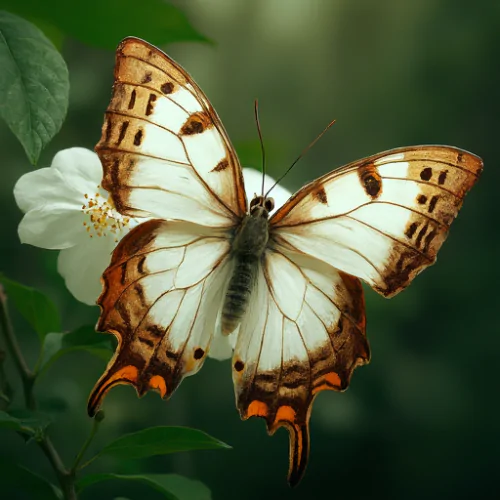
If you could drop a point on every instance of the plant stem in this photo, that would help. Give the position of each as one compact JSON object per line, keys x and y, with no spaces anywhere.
{"x":66,"y":478}
{"x":79,"y":457}
{"x":4,"y":384}
{"x":26,"y":374}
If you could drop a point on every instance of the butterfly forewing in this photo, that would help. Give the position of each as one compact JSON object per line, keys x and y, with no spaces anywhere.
{"x":161,"y":296}
{"x":382,"y":218}
{"x":164,"y":150}
{"x":304,"y":333}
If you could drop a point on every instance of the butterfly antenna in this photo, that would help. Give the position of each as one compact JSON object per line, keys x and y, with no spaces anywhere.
{"x":257,"y":121}
{"x":300,"y":156}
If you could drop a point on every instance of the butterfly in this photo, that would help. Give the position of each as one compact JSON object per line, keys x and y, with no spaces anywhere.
{"x":286,"y":285}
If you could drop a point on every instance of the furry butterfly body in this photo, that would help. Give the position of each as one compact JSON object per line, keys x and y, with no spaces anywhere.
{"x":285,"y":286}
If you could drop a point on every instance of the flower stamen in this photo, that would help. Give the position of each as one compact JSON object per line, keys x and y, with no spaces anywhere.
{"x":104,"y":218}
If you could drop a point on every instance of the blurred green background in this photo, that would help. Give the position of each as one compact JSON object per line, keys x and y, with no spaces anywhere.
{"x":421,"y":421}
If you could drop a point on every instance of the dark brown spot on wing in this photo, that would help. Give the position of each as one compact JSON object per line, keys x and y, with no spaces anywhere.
{"x":442,"y":177}
{"x":147,"y":77}
{"x":133,"y":96}
{"x":123,"y":131}
{"x":370,"y":180}
{"x":411,"y":230}
{"x":320,"y":195}
{"x":222,"y":165}
{"x":196,"y":124}
{"x":140,"y":265}
{"x":155,"y":331}
{"x":171,"y":354}
{"x":421,"y":234}
{"x":239,"y":365}
{"x":123,"y":277}
{"x":146,"y":341}
{"x":167,"y":88}
{"x":422,"y":199}
{"x":426,"y":174}
{"x":432,"y":203}
{"x":428,"y":239}
{"x":138,"y":138}
{"x":150,"y":105}
{"x":198,"y":353}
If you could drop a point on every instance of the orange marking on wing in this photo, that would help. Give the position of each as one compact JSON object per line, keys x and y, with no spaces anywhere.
{"x":330,"y":379}
{"x":299,"y":453}
{"x":126,"y":375}
{"x":157,"y":382}
{"x":333,"y":378}
{"x":128,"y":372}
{"x":285,"y":413}
{"x":257,"y":409}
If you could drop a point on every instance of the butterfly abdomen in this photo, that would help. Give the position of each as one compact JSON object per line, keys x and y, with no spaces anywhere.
{"x":239,"y":291}
{"x":247,"y":249}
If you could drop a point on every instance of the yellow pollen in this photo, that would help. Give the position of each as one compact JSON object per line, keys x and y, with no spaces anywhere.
{"x":103,"y":216}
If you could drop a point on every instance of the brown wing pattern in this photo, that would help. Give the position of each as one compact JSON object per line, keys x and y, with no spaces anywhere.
{"x":163,"y":148}
{"x":162,"y":292}
{"x":304,"y":333}
{"x":383,"y":218}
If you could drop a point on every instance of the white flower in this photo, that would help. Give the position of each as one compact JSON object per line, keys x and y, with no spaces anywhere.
{"x":66,"y":209}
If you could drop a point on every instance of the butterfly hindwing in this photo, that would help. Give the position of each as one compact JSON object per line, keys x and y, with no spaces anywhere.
{"x":161,"y":296}
{"x":304,"y":332}
{"x":163,"y":148}
{"x":383,"y":218}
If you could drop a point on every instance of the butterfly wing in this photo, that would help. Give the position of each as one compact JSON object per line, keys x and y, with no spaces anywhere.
{"x":304,"y":332}
{"x":383,"y":218}
{"x":163,"y":148}
{"x":162,"y":293}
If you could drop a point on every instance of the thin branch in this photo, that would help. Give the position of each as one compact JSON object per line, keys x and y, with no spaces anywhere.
{"x":95,"y":426}
{"x":26,"y":374}
{"x":66,"y":478}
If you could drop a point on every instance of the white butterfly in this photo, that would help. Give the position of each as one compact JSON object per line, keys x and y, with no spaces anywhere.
{"x":286,"y":285}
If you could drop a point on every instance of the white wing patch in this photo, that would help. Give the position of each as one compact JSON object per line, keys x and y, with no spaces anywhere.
{"x":162,"y":294}
{"x":382,"y":219}
{"x":164,"y":151}
{"x":304,"y":332}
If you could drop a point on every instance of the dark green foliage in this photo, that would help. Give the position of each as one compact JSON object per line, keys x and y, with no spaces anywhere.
{"x":34,"y":84}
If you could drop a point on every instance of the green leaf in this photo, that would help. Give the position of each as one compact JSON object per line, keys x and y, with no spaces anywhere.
{"x":154,"y":20}
{"x":17,"y":478}
{"x":33,"y":424}
{"x":34,"y":84}
{"x":161,"y":441}
{"x":84,"y":338}
{"x":172,"y":486}
{"x":40,"y":312}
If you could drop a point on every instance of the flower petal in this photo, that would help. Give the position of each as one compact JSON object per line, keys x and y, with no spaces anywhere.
{"x":43,"y":187}
{"x":253,"y":185}
{"x":73,"y":173}
{"x":53,"y":226}
{"x":82,"y":267}
{"x":79,"y":167}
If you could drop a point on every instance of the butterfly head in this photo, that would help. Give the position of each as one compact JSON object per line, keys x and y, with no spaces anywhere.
{"x":260,"y":206}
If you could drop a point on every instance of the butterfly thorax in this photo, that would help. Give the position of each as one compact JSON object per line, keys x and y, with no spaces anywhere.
{"x":248,"y":247}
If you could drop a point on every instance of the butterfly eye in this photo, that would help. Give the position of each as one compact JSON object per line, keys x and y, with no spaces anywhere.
{"x":269,"y":204}
{"x":256,"y":201}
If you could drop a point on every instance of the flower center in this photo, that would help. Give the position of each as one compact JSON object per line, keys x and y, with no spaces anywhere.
{"x":103,"y":219}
